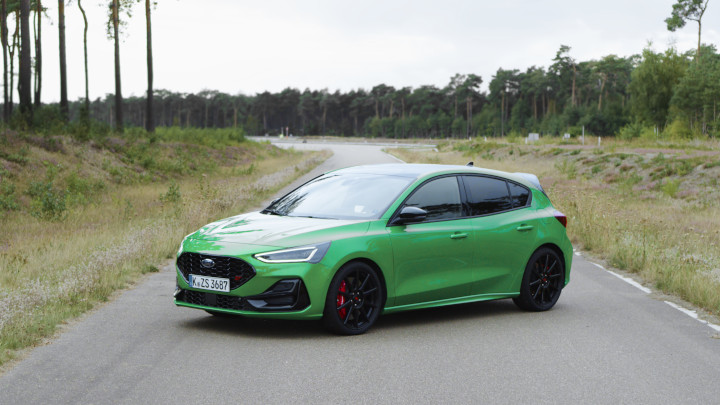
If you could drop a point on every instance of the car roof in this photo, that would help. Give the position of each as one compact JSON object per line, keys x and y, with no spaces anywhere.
{"x":416,"y":171}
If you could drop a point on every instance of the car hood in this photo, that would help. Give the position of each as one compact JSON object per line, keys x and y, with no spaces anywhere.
{"x":272,"y":230}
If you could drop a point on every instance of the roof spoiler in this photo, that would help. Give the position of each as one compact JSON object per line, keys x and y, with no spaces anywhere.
{"x":532,"y":179}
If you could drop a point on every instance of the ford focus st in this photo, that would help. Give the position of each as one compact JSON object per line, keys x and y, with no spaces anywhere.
{"x":357,"y":242}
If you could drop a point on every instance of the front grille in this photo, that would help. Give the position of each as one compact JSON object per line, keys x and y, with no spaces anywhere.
{"x":237,"y":271}
{"x":212,"y":300}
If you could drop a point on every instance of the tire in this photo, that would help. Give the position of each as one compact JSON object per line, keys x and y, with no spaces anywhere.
{"x":542,"y":282}
{"x":354,"y":300}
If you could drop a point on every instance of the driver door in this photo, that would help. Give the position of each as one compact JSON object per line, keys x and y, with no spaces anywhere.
{"x":433,"y":259}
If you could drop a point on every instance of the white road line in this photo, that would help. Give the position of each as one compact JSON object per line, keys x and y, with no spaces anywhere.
{"x":625,"y":279}
{"x":693,"y":315}
{"x":688,"y":312}
{"x":394,"y":157}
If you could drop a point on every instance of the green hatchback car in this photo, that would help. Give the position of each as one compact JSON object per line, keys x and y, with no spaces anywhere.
{"x":357,"y":242}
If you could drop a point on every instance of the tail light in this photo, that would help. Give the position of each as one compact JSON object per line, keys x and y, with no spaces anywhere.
{"x":560,"y":217}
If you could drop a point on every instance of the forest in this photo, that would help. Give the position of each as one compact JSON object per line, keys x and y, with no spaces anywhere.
{"x":669,"y":93}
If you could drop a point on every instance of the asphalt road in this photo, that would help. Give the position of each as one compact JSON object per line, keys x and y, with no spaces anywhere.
{"x":605,"y":341}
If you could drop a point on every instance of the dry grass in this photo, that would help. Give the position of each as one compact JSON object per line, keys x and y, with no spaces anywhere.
{"x":51,"y":271}
{"x":646,"y":208}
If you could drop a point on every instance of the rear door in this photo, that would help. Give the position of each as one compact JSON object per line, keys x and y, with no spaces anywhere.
{"x":505,"y":232}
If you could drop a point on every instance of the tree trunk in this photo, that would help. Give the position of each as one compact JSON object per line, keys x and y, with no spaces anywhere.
{"x":13,"y":49}
{"x":323,"y":118}
{"x":86,"y":113}
{"x":573,"y":87}
{"x":25,"y":72}
{"x":118,"y":87}
{"x":600,"y":97}
{"x":699,"y":32}
{"x":207,"y":105}
{"x":150,"y":123}
{"x":4,"y":40}
{"x":469,"y":115}
{"x":402,"y":100}
{"x":502,"y":114}
{"x":64,"y":109}
{"x":38,"y":53}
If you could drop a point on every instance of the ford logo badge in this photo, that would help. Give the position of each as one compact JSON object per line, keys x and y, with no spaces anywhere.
{"x":207,"y":263}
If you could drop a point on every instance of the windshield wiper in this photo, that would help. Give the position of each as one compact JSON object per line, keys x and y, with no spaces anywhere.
{"x":312,"y":216}
{"x":272,"y":212}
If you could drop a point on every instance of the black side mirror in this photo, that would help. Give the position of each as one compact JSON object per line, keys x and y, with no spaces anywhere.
{"x":409,"y":215}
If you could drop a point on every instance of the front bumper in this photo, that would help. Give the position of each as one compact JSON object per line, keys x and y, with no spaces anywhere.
{"x":284,"y":296}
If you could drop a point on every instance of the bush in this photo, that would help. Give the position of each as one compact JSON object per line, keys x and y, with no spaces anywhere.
{"x":7,"y":197}
{"x":679,"y":129}
{"x":172,"y":195}
{"x":630,"y":131}
{"x":48,"y":202}
{"x":567,"y":167}
{"x":81,"y":190}
{"x":48,"y":120}
{"x":211,"y":137}
{"x":671,"y":187}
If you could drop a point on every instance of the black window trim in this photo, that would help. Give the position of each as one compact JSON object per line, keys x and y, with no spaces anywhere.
{"x":507,"y":185}
{"x":464,"y":197}
{"x":461,"y":191}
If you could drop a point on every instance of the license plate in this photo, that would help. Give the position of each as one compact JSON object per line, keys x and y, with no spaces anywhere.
{"x":210,"y":283}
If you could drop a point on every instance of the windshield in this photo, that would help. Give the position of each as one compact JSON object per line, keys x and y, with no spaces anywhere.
{"x":341,"y":196}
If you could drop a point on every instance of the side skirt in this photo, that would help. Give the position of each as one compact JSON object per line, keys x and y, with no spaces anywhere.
{"x":451,"y":301}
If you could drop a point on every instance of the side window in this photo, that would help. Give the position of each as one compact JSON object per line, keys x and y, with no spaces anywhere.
{"x":440,"y":198}
{"x":486,"y":195}
{"x":519,"y":194}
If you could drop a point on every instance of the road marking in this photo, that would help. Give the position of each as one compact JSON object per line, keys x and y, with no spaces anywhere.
{"x":693,"y":314}
{"x":625,"y":279}
{"x":688,"y":312}
{"x":394,"y":157}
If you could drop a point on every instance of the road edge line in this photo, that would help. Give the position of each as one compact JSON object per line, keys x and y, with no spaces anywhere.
{"x":694,"y":315}
{"x":625,"y":279}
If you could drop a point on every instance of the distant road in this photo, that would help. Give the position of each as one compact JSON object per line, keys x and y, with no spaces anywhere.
{"x":606,"y":341}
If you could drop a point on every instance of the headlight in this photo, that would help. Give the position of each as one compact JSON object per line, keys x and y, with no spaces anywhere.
{"x":302,"y":254}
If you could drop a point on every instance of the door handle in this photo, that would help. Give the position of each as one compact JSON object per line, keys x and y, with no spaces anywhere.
{"x":458,"y":236}
{"x":524,"y":228}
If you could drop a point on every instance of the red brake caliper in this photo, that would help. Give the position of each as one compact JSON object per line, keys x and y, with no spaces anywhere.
{"x":341,"y":300}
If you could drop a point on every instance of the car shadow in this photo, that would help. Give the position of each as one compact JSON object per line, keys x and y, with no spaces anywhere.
{"x":447,"y":314}
{"x":254,"y":327}
{"x":290,"y":329}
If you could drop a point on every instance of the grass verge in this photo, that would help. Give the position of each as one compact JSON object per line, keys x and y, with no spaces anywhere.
{"x":109,"y":230}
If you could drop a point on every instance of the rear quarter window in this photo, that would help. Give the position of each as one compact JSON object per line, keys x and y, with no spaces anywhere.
{"x":519,"y":195}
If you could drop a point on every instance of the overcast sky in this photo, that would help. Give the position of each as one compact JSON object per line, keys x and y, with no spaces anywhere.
{"x":239,"y":46}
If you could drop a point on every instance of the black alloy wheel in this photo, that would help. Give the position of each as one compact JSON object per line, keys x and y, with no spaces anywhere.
{"x":542,"y":282}
{"x":354,"y":300}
